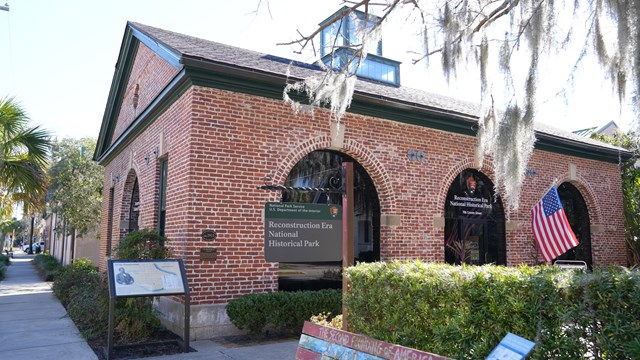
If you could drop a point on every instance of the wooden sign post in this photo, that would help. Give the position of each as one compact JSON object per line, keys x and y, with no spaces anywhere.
{"x":347,"y":233}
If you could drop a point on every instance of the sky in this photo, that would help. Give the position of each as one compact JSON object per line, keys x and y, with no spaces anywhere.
{"x":57,"y":58}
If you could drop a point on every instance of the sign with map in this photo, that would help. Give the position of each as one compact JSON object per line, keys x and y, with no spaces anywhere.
{"x":146,"y":277}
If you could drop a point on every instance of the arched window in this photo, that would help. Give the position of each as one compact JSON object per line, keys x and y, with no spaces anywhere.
{"x":578,"y":216}
{"x":474,"y":226}
{"x":323,"y":169}
{"x":134,"y":207}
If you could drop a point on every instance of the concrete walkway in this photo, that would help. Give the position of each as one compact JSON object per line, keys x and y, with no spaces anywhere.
{"x":34,"y":325}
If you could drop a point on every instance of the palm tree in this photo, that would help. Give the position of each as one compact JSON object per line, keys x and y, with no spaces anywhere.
{"x":23,"y":158}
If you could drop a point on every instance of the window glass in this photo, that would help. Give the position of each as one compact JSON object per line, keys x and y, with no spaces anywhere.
{"x":134,"y":209}
{"x":323,"y":169}
{"x":110,"y":221}
{"x":162,"y":198}
{"x":474,"y":222}
{"x":578,"y":216}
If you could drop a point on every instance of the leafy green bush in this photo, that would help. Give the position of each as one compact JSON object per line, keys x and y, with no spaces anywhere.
{"x":84,"y":292}
{"x":89,"y":306}
{"x":73,"y":279}
{"x":142,"y":244}
{"x":48,"y":266}
{"x":464,"y":311}
{"x":281,"y":311}
{"x":135,"y":319}
{"x":5,"y":260}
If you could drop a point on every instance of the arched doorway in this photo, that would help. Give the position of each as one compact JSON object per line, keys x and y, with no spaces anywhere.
{"x":474,"y":225}
{"x":323,"y":168}
{"x":578,"y":216}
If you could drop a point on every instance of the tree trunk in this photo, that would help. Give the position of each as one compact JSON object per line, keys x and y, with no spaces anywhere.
{"x":33,"y":218}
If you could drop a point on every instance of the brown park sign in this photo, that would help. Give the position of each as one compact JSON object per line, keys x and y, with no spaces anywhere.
{"x":298,"y":232}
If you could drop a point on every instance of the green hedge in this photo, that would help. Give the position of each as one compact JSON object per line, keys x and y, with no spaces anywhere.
{"x":48,"y":266}
{"x":84,"y":293}
{"x":282,"y":311}
{"x":5,"y":260}
{"x":464,"y":311}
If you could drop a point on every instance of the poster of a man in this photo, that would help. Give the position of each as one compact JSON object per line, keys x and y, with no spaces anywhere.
{"x":123,"y":277}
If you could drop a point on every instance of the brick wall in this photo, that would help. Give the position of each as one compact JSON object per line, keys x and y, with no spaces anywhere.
{"x":220,"y":145}
{"x":150,"y":73}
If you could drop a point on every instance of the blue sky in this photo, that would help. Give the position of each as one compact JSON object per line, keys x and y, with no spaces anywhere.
{"x":57,"y":58}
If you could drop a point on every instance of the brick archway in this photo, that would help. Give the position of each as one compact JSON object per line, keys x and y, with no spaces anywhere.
{"x":375,"y":170}
{"x":454,"y":171}
{"x":588,"y":194}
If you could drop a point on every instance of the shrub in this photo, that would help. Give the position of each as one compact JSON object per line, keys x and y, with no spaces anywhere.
{"x":464,"y":311}
{"x":135,"y":319}
{"x":89,"y":307}
{"x":4,"y":259}
{"x":3,"y":271}
{"x":48,"y":266}
{"x":84,"y":292}
{"x":72,"y":279}
{"x":142,"y":244}
{"x":281,"y":311}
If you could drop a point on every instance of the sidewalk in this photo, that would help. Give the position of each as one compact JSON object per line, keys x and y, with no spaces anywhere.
{"x":34,"y":325}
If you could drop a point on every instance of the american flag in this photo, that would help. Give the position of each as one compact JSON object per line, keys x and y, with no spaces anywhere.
{"x":551,"y":229}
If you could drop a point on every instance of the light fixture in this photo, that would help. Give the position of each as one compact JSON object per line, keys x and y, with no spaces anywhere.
{"x":530,"y":172}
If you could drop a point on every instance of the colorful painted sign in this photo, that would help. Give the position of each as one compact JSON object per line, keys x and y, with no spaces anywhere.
{"x":320,"y":342}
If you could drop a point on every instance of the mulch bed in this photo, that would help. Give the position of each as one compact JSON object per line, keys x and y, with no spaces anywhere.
{"x":162,"y":342}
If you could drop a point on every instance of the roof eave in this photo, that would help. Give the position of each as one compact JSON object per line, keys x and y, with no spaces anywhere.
{"x":126,"y":57}
{"x":209,"y":73}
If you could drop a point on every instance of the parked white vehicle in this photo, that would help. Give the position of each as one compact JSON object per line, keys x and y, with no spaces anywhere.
{"x":34,"y":247}
{"x":38,"y":245}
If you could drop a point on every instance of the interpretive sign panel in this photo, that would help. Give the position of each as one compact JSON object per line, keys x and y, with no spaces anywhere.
{"x":512,"y":347}
{"x":146,"y":277}
{"x":131,"y":278}
{"x":297,"y":232}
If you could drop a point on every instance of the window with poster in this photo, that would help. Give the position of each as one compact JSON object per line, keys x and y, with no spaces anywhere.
{"x":474,"y":226}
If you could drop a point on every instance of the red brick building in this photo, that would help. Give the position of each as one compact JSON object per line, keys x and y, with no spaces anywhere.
{"x":192,"y":128}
